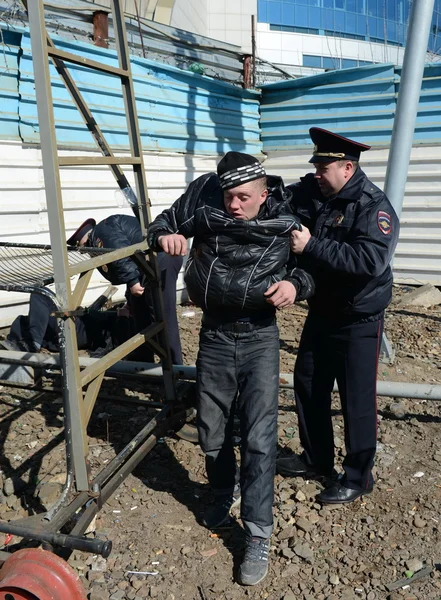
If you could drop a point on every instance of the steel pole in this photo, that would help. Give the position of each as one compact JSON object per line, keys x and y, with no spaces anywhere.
{"x":394,"y":389}
{"x":408,"y":100}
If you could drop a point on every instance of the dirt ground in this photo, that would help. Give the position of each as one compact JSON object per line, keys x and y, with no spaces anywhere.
{"x":317,"y":553}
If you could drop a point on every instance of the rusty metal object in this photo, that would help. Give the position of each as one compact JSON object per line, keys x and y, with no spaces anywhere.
{"x":247,"y":71}
{"x":101,"y":29}
{"x":35,"y":574}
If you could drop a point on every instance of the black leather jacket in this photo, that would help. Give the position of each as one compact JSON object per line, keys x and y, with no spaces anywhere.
{"x":354,"y":235}
{"x":117,"y":231}
{"x":232,"y":261}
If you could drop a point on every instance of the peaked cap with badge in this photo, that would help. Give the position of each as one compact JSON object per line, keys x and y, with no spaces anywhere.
{"x":84,"y":228}
{"x":329,"y":147}
{"x":237,"y":168}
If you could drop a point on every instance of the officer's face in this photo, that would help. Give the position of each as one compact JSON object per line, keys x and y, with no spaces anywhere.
{"x":331,"y":177}
{"x":244,"y":201}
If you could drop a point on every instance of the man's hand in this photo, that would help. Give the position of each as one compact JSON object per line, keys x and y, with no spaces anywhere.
{"x":281,"y":294}
{"x":174,"y":244}
{"x":299,"y":239}
{"x":137,"y":289}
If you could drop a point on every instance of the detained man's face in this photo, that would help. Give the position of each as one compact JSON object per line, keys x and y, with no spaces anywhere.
{"x":332,"y":177}
{"x":244,"y":201}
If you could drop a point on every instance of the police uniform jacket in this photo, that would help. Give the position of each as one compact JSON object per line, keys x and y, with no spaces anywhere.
{"x":118,"y":231}
{"x":232,"y":261}
{"x":354,"y":235}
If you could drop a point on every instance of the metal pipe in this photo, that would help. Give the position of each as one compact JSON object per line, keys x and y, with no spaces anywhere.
{"x":253,"y":51}
{"x":408,"y":100}
{"x":59,"y":539}
{"x":395,"y":389}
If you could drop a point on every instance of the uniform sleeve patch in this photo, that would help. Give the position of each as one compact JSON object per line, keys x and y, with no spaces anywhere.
{"x":384,"y":222}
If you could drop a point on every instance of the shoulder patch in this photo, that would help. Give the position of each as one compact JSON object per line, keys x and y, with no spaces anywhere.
{"x":384,"y":222}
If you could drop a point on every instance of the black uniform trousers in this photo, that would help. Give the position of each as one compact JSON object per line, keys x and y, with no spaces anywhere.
{"x":141,"y":308}
{"x":40,"y":329}
{"x":346,"y":350}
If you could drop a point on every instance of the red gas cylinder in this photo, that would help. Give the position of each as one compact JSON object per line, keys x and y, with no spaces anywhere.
{"x":35,"y":574}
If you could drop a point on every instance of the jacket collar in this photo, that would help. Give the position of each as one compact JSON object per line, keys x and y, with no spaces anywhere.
{"x":354,"y":187}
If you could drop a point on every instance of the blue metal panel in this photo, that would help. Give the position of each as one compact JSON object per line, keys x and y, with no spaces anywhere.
{"x":178,"y":111}
{"x":9,"y":87}
{"x":358,"y":103}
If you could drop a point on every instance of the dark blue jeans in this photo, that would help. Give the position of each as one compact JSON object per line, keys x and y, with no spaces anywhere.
{"x":239,"y":372}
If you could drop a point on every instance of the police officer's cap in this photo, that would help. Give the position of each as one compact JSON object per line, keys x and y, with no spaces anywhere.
{"x":81,"y":232}
{"x":329,"y":147}
{"x":236,"y":168}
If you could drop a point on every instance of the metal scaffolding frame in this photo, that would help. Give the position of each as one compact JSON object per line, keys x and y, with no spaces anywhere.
{"x":81,"y":386}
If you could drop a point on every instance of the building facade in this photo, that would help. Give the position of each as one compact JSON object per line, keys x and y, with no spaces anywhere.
{"x":335,"y":34}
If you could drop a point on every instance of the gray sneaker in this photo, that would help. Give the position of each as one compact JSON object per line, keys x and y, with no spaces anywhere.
{"x":218,"y":515}
{"x":254,"y":566}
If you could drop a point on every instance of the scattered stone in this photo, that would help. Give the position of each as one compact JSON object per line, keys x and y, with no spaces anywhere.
{"x":419,"y":522}
{"x":414,"y":565}
{"x":304,"y":551}
{"x":398,"y":409}
{"x":425,"y":296}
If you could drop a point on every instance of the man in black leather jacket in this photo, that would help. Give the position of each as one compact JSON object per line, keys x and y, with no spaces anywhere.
{"x":236,"y":273}
{"x":349,"y":234}
{"x":120,"y":231}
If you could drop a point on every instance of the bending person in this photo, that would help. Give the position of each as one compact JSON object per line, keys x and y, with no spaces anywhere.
{"x":120,"y":231}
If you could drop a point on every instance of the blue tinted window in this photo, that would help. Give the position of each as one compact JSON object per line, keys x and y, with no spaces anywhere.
{"x":331,"y":63}
{"x":351,"y":5}
{"x":314,"y":2}
{"x":351,"y":23}
{"x":301,"y":16}
{"x":339,"y":20}
{"x":361,"y":25}
{"x":261,"y":11}
{"x":312,"y":61}
{"x":339,"y":4}
{"x":372,"y":7}
{"x":288,"y":14}
{"x":348,"y":63}
{"x":392,"y":31}
{"x":391,"y":11}
{"x":327,"y":18}
{"x":372,"y":27}
{"x":314,"y":17}
{"x":328,"y":3}
{"x":274,"y":12}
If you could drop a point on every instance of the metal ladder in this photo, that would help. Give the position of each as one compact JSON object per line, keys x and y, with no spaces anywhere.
{"x":78,"y":404}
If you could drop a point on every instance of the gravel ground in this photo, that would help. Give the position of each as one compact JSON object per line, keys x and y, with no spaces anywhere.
{"x":317,"y":553}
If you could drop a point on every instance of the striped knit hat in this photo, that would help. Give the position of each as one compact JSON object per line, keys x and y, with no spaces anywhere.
{"x":236,"y":168}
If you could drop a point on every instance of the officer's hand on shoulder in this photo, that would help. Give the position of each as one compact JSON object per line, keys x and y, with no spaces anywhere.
{"x":281,"y":294}
{"x":299,"y":239}
{"x":137,"y":289}
{"x":174,"y":244}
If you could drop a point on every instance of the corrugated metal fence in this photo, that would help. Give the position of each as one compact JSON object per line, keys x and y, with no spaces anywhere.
{"x":187,"y":121}
{"x":360,"y":103}
{"x":72,"y":20}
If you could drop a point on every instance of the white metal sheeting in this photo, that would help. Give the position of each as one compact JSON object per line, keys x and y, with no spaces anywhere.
{"x":90,"y":192}
{"x":418,"y":256}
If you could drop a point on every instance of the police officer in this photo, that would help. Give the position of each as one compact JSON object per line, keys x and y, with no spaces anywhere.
{"x":120,"y":231}
{"x":347,"y":241}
